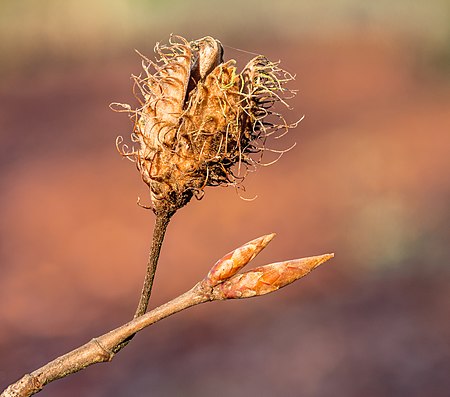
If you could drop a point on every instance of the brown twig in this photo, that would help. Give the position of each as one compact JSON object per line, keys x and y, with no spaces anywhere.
{"x":100,"y":349}
{"x":222,"y":282}
{"x":159,"y":231}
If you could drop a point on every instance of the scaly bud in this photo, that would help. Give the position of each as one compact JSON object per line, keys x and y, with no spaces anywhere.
{"x":269,"y":278}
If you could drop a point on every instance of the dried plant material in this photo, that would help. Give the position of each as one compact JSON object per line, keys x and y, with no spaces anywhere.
{"x":269,"y":278}
{"x":235,"y":260}
{"x":201,"y":122}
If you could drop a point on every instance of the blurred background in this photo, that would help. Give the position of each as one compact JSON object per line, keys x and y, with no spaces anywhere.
{"x":368,"y":180}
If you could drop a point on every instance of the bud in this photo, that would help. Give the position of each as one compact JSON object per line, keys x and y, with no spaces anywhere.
{"x":269,"y":278}
{"x":199,"y":118}
{"x":235,"y":260}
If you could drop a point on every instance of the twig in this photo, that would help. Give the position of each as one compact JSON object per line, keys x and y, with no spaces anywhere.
{"x":100,"y":349}
{"x":222,"y":282}
{"x":159,"y":231}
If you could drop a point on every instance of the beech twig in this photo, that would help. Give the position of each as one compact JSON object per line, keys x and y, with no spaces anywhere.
{"x":221,"y":283}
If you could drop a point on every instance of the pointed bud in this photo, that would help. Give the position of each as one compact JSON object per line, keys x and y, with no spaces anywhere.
{"x":265,"y":279}
{"x":234,"y":261}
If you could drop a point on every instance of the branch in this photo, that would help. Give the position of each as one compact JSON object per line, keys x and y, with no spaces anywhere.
{"x":100,"y":349}
{"x":222,"y":282}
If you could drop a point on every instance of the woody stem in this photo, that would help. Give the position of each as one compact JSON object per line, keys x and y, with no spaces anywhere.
{"x":159,"y":231}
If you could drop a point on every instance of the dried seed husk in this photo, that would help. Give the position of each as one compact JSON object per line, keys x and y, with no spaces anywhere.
{"x":200,"y":119}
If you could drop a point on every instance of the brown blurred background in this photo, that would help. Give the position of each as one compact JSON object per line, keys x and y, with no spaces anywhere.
{"x":368,"y":180}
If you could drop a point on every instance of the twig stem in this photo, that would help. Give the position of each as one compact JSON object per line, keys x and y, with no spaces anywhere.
{"x":102,"y":348}
{"x":159,"y":231}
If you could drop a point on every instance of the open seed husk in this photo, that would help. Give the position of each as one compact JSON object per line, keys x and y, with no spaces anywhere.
{"x":201,"y":122}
